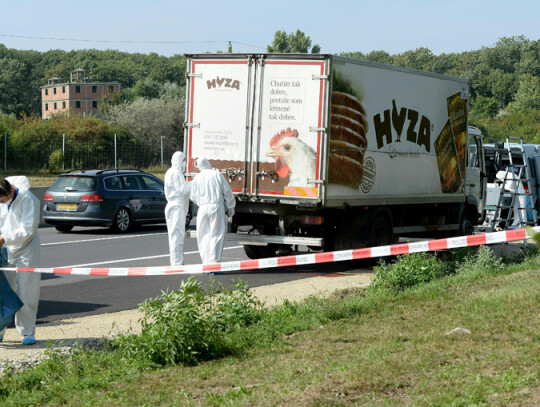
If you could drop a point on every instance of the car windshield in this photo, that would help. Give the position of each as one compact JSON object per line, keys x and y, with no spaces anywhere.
{"x":66,"y":183}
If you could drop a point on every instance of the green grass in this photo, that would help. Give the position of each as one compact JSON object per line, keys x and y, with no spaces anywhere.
{"x":375,"y":347}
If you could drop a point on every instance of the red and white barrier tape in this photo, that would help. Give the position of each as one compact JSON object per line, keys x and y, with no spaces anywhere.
{"x":288,"y":261}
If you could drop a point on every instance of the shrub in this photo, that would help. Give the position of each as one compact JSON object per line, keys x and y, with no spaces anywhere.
{"x":191,"y":324}
{"x":409,"y":270}
{"x":56,"y":159}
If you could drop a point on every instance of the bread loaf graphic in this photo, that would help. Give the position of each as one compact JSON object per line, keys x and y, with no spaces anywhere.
{"x":348,"y":140}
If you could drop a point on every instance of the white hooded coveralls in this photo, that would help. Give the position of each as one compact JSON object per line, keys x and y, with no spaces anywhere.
{"x":19,"y":223}
{"x":210,"y":190}
{"x":177,"y":194}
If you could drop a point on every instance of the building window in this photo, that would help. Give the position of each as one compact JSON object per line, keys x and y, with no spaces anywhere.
{"x":111,"y":89}
{"x":46,"y":106}
{"x":78,"y":104}
{"x":77,"y":89}
{"x":94,"y":104}
{"x":63,"y":89}
{"x":54,"y":105}
{"x":54,"y":91}
{"x":46,"y":92}
{"x":63,"y":105}
{"x":94,"y":89}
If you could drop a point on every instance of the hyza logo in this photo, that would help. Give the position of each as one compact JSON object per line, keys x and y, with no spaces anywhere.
{"x":418,"y":130}
{"x":222,"y":83}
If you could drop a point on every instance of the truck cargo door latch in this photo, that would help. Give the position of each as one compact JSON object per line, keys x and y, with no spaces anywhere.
{"x":315,"y":77}
{"x":270,"y":174}
{"x":233,"y":173}
{"x":318,"y":129}
{"x":193,"y":75}
{"x":188,"y":125}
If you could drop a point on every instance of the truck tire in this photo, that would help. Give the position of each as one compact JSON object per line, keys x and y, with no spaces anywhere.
{"x":466,"y":224}
{"x":63,"y":228}
{"x":381,"y":232}
{"x":189,"y":216}
{"x":260,"y":252}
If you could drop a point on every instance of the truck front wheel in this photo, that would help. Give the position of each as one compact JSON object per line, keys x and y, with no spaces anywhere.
{"x":466,"y":224}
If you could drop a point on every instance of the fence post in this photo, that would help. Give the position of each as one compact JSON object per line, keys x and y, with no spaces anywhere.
{"x":161,"y":151}
{"x":5,"y":151}
{"x":115,"y":162}
{"x":63,"y":151}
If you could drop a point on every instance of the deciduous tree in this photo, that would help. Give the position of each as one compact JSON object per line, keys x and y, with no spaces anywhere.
{"x":296,"y":42}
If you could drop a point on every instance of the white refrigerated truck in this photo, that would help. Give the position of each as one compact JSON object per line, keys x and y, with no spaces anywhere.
{"x":334,"y":153}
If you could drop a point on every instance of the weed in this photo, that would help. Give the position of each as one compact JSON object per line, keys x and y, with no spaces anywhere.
{"x":483,"y":261}
{"x":408,"y":271}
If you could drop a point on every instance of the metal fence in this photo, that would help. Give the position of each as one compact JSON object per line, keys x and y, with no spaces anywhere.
{"x":62,"y":154}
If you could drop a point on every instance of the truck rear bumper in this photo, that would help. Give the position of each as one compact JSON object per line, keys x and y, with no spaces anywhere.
{"x":263,"y":240}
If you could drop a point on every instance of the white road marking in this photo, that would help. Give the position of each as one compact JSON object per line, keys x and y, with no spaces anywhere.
{"x":137,"y":258}
{"x":101,"y":239}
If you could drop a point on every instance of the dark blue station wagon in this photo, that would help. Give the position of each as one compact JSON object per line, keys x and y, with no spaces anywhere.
{"x":112,"y":198}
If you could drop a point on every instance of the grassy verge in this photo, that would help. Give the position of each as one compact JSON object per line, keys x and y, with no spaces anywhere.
{"x":389,"y":345}
{"x":46,"y":178}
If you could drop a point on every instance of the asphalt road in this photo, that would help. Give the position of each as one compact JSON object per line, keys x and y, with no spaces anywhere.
{"x":74,"y":296}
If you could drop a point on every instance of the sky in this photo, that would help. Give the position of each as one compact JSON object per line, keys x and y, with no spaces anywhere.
{"x":169,"y":27}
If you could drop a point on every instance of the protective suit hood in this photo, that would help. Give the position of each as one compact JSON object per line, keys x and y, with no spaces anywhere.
{"x":177,"y":160}
{"x":203,"y":164}
{"x":502,"y":174}
{"x":20,"y":181}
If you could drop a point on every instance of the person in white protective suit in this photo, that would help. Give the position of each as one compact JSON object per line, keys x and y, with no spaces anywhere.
{"x":211,"y":192}
{"x":177,"y":194}
{"x":514,"y":185}
{"x":19,"y":222}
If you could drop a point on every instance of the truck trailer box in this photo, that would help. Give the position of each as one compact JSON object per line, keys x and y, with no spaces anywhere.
{"x":326,"y":136}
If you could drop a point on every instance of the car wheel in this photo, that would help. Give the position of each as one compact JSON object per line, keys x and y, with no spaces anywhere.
{"x":122,"y":220}
{"x":63,"y":228}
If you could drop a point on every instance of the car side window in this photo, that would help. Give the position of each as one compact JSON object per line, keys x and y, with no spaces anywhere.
{"x":131,"y":182}
{"x":151,"y":183}
{"x":113,"y":184}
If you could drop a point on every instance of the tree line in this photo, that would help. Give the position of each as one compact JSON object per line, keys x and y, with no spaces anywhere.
{"x":505,"y":87}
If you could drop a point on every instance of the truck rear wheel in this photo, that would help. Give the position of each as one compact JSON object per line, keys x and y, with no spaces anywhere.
{"x":380,"y":233}
{"x":260,"y":252}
